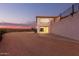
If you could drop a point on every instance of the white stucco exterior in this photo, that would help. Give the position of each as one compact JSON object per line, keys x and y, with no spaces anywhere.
{"x":67,"y":27}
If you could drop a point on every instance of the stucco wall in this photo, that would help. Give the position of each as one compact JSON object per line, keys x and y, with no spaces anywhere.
{"x":68,"y":27}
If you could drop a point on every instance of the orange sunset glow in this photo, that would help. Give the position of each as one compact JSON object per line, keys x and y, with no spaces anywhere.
{"x":15,"y":27}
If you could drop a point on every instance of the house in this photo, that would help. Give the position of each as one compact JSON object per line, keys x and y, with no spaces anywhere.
{"x":44,"y":23}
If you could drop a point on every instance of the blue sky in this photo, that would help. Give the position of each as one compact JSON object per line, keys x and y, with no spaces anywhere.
{"x":26,"y":12}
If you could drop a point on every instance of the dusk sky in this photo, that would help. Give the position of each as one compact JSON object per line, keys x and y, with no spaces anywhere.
{"x":27,"y":12}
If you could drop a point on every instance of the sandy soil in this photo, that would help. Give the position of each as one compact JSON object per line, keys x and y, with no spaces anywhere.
{"x":32,"y":44}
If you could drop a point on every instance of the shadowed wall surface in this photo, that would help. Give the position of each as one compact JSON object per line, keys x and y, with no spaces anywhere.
{"x":67,"y":27}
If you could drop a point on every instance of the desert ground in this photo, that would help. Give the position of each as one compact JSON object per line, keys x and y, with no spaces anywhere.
{"x":33,"y":44}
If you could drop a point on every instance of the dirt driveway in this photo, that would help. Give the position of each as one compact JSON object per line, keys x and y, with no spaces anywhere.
{"x":32,"y":44}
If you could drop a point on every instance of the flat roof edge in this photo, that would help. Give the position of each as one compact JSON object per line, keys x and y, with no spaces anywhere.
{"x":47,"y":16}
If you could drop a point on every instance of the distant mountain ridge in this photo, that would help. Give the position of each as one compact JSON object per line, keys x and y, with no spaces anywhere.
{"x":13,"y":24}
{"x":17,"y":25}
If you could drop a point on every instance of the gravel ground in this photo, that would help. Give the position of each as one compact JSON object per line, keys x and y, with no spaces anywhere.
{"x":32,"y":44}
